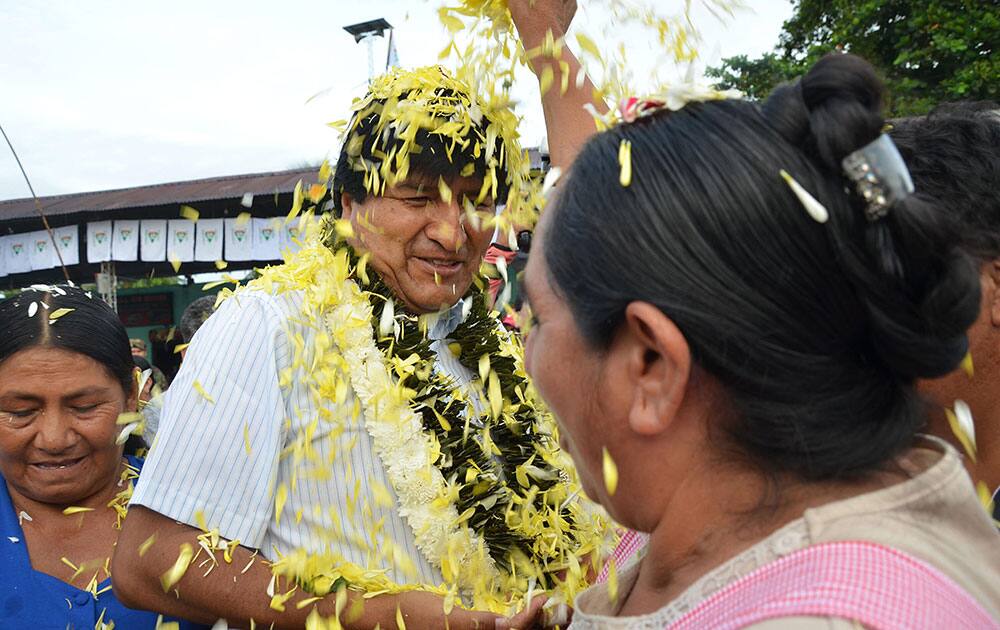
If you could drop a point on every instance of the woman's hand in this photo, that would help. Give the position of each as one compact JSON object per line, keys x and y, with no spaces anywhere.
{"x":534,"y":18}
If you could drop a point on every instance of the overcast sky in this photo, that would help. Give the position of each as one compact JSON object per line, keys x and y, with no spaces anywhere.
{"x":116,"y":93}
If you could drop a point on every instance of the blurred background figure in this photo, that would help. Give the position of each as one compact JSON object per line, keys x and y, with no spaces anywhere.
{"x":194,"y":316}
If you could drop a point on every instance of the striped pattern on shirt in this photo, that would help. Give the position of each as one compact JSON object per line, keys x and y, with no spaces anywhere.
{"x":199,"y":462}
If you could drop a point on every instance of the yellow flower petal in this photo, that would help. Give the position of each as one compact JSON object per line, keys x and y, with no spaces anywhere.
{"x":610,"y":473}
{"x":189,"y":213}
{"x":201,"y":391}
{"x":174,"y":574}
{"x":625,"y":161}
{"x":76,"y":510}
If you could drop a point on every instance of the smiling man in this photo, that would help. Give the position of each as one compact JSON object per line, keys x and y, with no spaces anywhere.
{"x":356,"y":417}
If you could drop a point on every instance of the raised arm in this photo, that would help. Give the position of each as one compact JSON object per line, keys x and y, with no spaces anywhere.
{"x":567,"y":123}
{"x":237,"y":590}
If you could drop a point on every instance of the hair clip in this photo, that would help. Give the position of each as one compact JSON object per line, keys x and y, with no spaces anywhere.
{"x":879,"y":174}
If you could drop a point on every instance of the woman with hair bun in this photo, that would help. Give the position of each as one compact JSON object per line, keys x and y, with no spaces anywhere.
{"x":66,"y":376}
{"x":729,"y":339}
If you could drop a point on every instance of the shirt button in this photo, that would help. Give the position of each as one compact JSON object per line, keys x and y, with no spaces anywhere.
{"x":82,"y":599}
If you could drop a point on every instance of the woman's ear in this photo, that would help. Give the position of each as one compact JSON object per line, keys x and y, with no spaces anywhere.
{"x":659,"y":365}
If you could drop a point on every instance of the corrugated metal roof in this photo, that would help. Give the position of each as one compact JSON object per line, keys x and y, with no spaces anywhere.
{"x":228,"y":187}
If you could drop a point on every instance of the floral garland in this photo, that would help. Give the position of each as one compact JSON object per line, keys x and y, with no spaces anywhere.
{"x":484,"y":493}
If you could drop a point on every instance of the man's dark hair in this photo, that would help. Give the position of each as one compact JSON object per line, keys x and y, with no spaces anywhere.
{"x":954,"y":156}
{"x":372,"y":139}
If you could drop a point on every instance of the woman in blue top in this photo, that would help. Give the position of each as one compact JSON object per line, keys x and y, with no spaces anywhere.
{"x":66,"y":375}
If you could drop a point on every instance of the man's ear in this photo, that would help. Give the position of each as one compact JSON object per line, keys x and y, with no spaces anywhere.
{"x":347,"y":205}
{"x":659,"y":364}
{"x":132,"y":395}
{"x":995,"y":301}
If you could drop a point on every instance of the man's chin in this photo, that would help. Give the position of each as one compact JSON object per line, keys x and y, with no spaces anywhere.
{"x":439,"y":299}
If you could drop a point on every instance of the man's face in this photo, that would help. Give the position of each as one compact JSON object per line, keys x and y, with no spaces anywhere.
{"x":425,"y":248}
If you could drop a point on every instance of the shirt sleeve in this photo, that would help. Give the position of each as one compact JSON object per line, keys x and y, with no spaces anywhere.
{"x":215,"y":455}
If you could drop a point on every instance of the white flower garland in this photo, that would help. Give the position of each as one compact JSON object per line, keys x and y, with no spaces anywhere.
{"x":408,"y":453}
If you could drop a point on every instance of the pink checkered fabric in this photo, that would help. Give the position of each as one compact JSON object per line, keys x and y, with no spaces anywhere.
{"x":876,"y":586}
{"x":629,"y":543}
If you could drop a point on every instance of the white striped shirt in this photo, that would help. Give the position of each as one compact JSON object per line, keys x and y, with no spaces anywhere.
{"x":199,"y":462}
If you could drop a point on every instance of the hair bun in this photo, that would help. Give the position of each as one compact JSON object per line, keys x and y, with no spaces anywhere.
{"x":835,"y":109}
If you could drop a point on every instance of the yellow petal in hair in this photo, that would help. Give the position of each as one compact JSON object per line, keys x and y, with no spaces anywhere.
{"x":815,"y":209}
{"x":59,"y":312}
{"x":963,"y":426}
{"x":610,"y":473}
{"x":625,"y":161}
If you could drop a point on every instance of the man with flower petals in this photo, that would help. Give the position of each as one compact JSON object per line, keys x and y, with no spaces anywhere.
{"x":314,"y":448}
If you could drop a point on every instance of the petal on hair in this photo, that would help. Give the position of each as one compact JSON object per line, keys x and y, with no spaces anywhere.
{"x":815,"y":209}
{"x":625,"y":161}
{"x":32,"y":309}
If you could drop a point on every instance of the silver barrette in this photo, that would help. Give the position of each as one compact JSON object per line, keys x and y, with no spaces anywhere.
{"x":879,"y":174}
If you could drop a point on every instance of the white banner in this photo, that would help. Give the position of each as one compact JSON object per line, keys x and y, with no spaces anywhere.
{"x":208,"y":241}
{"x":68,"y":240}
{"x":239,"y":239}
{"x":290,"y":232}
{"x":154,"y":240}
{"x":125,"y":241}
{"x":267,"y":238}
{"x":99,"y":241}
{"x":42,"y":254}
{"x":16,"y":253}
{"x":180,"y":240}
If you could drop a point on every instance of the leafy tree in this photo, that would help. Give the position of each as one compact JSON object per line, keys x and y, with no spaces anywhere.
{"x":754,"y":77}
{"x":929,"y":51}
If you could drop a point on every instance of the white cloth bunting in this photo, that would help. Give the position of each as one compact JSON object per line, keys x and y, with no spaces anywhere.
{"x":41,"y":253}
{"x":267,"y":238}
{"x":154,"y":240}
{"x":208,"y":242}
{"x":68,"y":241}
{"x":180,"y":240}
{"x":99,"y":241}
{"x":125,"y":243}
{"x":239,"y":239}
{"x":16,"y":253}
